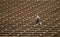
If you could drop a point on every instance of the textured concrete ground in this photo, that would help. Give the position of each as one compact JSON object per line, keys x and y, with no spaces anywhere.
{"x":17,"y":18}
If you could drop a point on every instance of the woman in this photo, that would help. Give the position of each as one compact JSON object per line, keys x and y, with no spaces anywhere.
{"x":38,"y":21}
